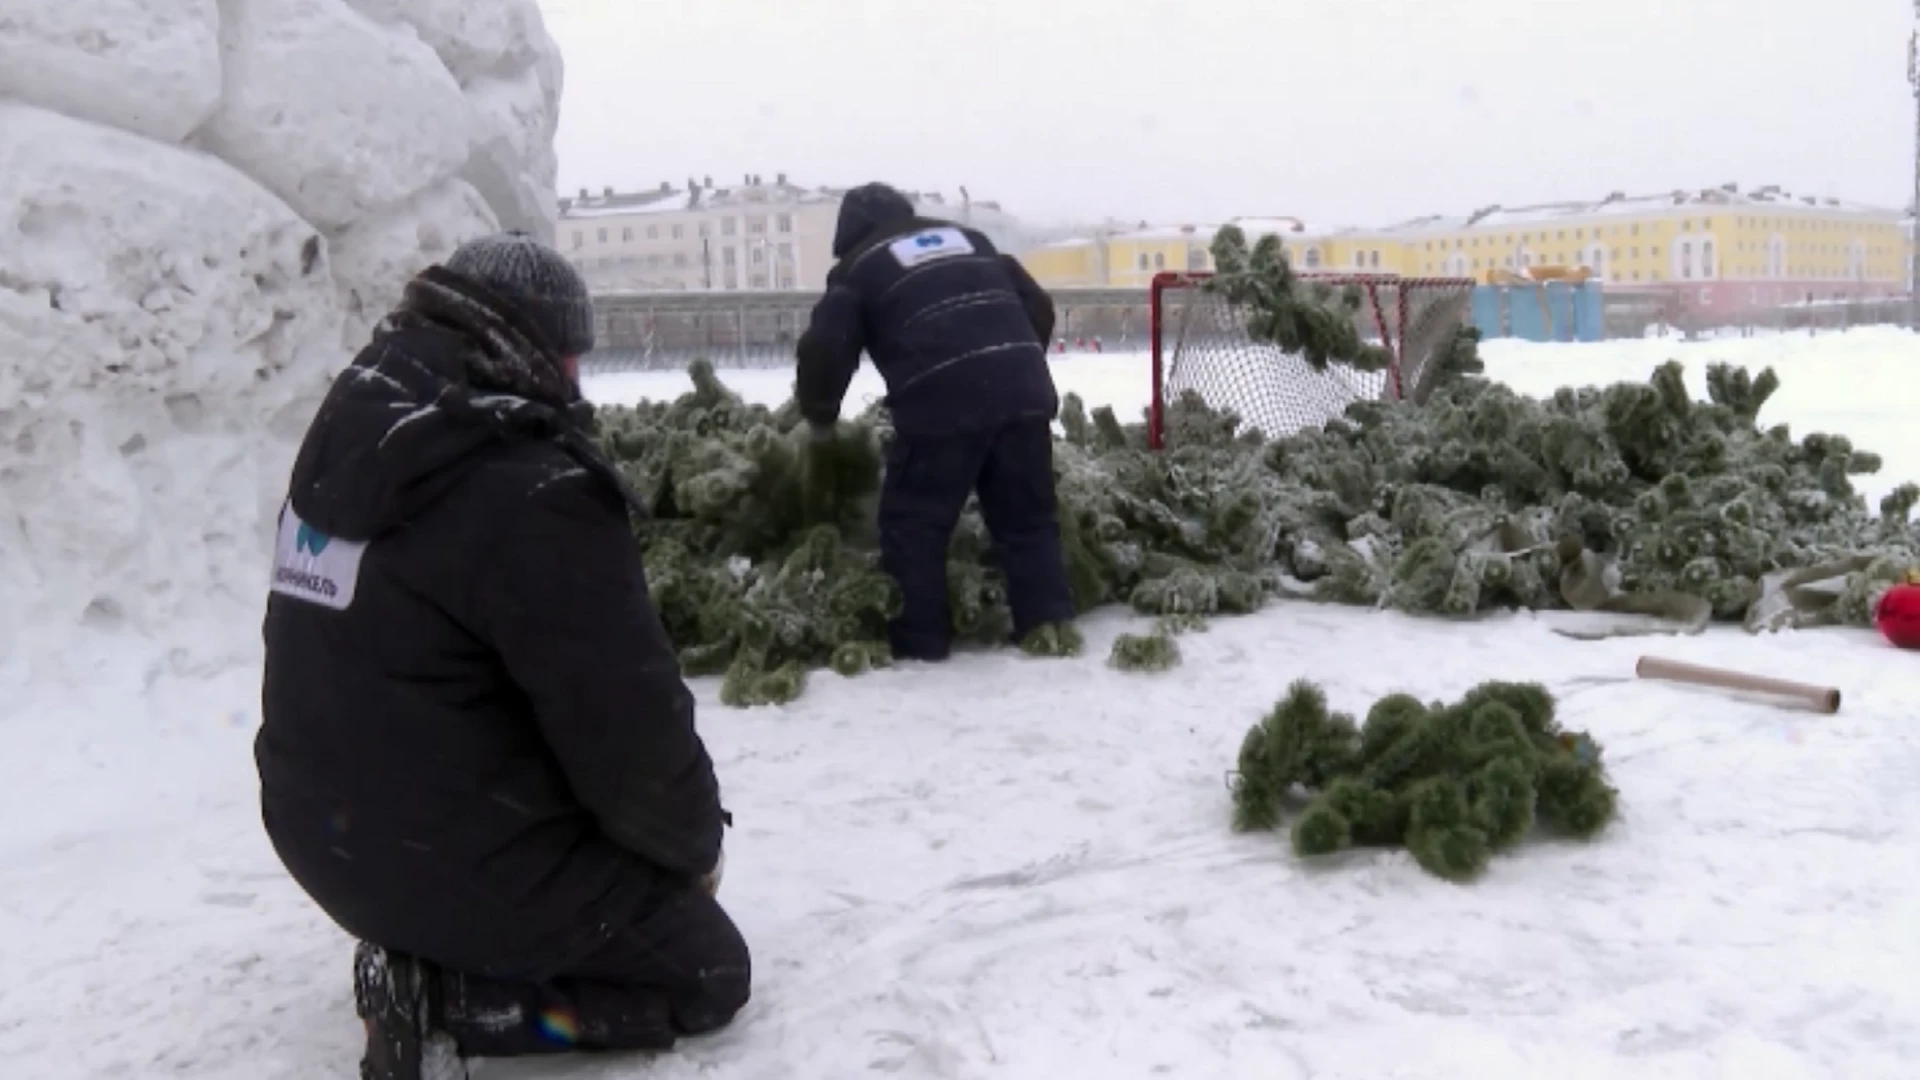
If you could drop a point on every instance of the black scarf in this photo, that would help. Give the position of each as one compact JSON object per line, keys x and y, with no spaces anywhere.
{"x":506,"y":353}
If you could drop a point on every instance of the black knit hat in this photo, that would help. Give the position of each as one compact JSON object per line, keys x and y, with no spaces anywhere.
{"x":538,"y":281}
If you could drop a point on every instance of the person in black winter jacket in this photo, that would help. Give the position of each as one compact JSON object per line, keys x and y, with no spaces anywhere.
{"x":478,"y":755}
{"x":958,"y":332}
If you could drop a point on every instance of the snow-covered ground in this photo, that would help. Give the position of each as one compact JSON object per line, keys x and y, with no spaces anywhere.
{"x":1007,"y":867}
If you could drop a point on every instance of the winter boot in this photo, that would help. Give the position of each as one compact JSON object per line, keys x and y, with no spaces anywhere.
{"x":397,"y":998}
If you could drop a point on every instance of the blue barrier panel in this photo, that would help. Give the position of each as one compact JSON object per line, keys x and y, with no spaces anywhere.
{"x":1488,"y":311}
{"x":1548,"y":311}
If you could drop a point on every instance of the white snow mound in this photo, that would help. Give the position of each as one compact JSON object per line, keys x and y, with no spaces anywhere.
{"x":203,"y":210}
{"x":152,"y":69}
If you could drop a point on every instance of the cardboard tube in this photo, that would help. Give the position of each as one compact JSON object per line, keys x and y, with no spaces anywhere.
{"x":1824,"y":699}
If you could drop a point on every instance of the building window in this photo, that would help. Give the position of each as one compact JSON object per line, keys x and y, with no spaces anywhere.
{"x":679,"y":231}
{"x":729,"y":256}
{"x":626,"y":235}
{"x":653,"y":232}
{"x":1143,"y":260}
{"x":1159,"y":260}
{"x":1313,"y":258}
{"x":783,"y":223}
{"x":1196,"y":258}
{"x":786,"y":253}
{"x":728,"y":225}
{"x":757,"y":225}
{"x":680,"y":259}
{"x":731,"y":281}
{"x":786,"y":279}
{"x":706,"y":229}
{"x":759,"y":256}
{"x":601,"y":235}
{"x":759,"y":281}
{"x":579,"y":239}
{"x":1373,"y":259}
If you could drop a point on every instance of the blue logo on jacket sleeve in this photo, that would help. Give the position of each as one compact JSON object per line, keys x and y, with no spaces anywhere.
{"x":310,"y":540}
{"x":309,"y":565}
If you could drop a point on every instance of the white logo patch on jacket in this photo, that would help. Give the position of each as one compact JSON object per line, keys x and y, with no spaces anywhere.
{"x":312,"y":566}
{"x":927,"y":245}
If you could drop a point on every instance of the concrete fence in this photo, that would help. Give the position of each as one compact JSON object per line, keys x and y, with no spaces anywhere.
{"x":664,"y":331}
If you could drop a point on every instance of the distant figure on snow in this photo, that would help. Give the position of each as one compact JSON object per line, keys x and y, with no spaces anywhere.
{"x":478,"y":755}
{"x":959,"y":333}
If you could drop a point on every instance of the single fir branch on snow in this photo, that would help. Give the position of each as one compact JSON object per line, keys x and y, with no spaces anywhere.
{"x":1453,"y":784}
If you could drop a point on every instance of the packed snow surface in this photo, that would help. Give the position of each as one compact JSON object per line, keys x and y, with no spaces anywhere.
{"x":1009,"y":867}
{"x":203,"y":208}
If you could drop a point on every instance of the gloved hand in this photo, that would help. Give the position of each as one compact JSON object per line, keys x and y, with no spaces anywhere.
{"x":711,"y":880}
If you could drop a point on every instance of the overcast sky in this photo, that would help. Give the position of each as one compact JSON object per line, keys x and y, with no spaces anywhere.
{"x":1337,"y":111}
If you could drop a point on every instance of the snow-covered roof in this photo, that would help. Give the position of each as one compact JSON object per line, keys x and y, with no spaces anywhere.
{"x":1167,"y":232}
{"x":621,"y":205}
{"x":1261,"y":226}
{"x":699,"y":195}
{"x":1771,"y":199}
{"x":1428,"y":223}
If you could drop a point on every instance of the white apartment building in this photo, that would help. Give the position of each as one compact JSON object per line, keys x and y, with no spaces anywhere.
{"x":757,"y":235}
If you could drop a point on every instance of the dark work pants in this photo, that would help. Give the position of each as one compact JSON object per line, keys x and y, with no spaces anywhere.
{"x":926,"y":485}
{"x":682,"y":969}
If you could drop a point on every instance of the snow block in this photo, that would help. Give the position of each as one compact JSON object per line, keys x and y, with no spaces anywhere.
{"x":150,"y":68}
{"x":374,"y":257}
{"x":338,"y":115}
{"x":473,"y":40}
{"x":170,"y":314}
{"x":156,"y":307}
{"x":503,"y":57}
{"x":513,"y":164}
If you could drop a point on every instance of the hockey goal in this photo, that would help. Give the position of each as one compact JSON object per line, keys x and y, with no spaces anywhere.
{"x":1199,"y":343}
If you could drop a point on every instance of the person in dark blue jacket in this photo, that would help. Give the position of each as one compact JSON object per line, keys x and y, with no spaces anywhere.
{"x":958,"y":331}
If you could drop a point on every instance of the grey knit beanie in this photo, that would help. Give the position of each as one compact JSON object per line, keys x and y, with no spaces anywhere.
{"x":542,"y":286}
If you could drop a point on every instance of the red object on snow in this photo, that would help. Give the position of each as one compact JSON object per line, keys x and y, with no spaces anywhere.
{"x":1898,"y":614}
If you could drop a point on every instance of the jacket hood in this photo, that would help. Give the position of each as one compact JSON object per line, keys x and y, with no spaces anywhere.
{"x":865,"y":211}
{"x":401,"y":426}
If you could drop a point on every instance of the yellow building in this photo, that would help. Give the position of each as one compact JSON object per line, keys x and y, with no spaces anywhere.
{"x":1781,"y":246}
{"x":1130,"y":258}
{"x":1720,"y":234}
{"x":1068,"y":264}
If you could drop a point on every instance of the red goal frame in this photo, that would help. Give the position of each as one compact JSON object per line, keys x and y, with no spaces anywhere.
{"x":1390,"y":319}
